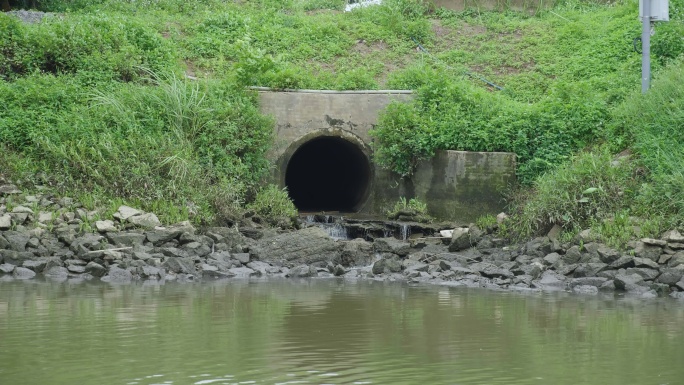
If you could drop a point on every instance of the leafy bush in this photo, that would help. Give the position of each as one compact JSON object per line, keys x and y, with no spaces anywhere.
{"x":413,"y":210}
{"x":273,"y":202}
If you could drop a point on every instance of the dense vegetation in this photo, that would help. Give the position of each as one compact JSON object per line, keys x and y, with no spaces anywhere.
{"x":97,"y":99}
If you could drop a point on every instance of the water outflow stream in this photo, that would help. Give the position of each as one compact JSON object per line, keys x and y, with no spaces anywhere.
{"x":341,"y":229}
{"x":332,"y":331}
{"x":332,"y":225}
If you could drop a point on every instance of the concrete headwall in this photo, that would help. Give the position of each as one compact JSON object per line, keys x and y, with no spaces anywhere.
{"x":456,"y":185}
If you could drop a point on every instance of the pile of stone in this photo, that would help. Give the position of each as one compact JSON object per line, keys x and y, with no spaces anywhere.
{"x":60,"y":240}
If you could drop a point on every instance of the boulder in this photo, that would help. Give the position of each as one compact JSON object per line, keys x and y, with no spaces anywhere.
{"x":623,"y":262}
{"x":356,"y":252}
{"x":460,"y":239}
{"x":23,"y":273}
{"x":117,"y":275}
{"x":17,"y":240}
{"x":179,"y":265}
{"x":6,"y":268}
{"x":5,"y":222}
{"x":673,"y":236}
{"x":147,"y":220}
{"x":305,"y":246}
{"x":161,"y":236}
{"x":588,"y":281}
{"x":36,"y":265}
{"x":105,"y":226}
{"x":628,"y":282}
{"x":243,"y":272}
{"x":95,"y":269}
{"x":645,"y":262}
{"x":670,"y":276}
{"x":263,"y":268}
{"x":550,"y":280}
{"x":125,"y":212}
{"x":123,"y":239}
{"x":242,"y":257}
{"x":302,"y":271}
{"x":572,"y":255}
{"x":585,"y":289}
{"x":607,"y":255}
{"x":648,"y":251}
{"x":646,"y":273}
{"x":391,"y":245}
{"x":589,"y":269}
{"x":58,"y":273}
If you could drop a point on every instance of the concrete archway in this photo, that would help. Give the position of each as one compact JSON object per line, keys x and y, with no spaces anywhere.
{"x":328,"y":170}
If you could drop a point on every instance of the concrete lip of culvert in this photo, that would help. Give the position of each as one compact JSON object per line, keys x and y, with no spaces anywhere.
{"x":328,"y":170}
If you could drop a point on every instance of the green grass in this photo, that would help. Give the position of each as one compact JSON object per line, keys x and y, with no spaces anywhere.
{"x":96,"y":98}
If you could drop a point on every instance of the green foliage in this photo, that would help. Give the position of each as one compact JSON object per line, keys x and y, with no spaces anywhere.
{"x":590,"y":188}
{"x":454,"y":115}
{"x":487,"y":221}
{"x":273,"y":202}
{"x":412,"y":210}
{"x":652,"y":125}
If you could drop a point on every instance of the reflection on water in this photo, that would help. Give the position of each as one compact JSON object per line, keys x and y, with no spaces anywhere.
{"x":330,"y":332}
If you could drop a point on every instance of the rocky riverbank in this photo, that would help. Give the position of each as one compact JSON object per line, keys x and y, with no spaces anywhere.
{"x":59,"y":240}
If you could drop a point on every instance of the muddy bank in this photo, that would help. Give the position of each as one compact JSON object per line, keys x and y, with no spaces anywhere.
{"x":47,"y":237}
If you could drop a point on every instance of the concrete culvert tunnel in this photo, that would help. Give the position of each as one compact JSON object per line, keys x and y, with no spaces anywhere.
{"x":328,"y":174}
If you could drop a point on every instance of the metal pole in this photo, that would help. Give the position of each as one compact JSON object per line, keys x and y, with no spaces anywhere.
{"x":646,"y":47}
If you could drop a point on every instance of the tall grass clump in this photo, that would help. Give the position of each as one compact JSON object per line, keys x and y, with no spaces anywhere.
{"x":652,"y":125}
{"x":590,"y":188}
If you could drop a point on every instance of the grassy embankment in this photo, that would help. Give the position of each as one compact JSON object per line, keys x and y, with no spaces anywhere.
{"x":96,"y":103}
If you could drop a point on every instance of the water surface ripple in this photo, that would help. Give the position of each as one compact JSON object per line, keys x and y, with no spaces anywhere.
{"x":330,"y":332}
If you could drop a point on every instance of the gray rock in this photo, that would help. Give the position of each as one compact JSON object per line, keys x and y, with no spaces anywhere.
{"x":533,"y":270}
{"x":179,"y":265}
{"x":215,"y":274}
{"x":304,"y":246}
{"x":623,"y":262}
{"x":263,"y":267}
{"x":673,"y":236}
{"x":17,"y":240}
{"x":460,"y":239}
{"x":677,"y":259}
{"x":5,"y":222}
{"x":609,"y":285}
{"x":147,"y":220}
{"x":117,"y":275}
{"x":15,"y":257}
{"x":56,"y":273}
{"x":490,"y":271}
{"x":391,"y":245}
{"x":105,"y":226}
{"x":654,"y":242}
{"x":588,"y":281}
{"x":628,"y":281}
{"x":36,"y":265}
{"x":173,"y":252}
{"x":123,"y":239}
{"x":243,"y":272}
{"x":9,"y":189}
{"x":585,"y":289}
{"x":302,"y":271}
{"x":646,"y":273}
{"x":152,"y":272}
{"x":242,"y":257}
{"x":552,"y":258}
{"x":572,"y":255}
{"x":23,"y":273}
{"x":566,"y":269}
{"x":645,"y":262}
{"x":670,"y":276}
{"x":589,"y":269}
{"x":550,"y":280}
{"x":126,"y":212}
{"x":356,"y":252}
{"x":416,"y":267}
{"x":95,"y":269}
{"x":607,"y":255}
{"x":643,"y":250}
{"x":77,"y":269}
{"x":677,"y":295}
{"x":22,"y":210}
{"x":339,"y":271}
{"x":539,"y":247}
{"x":6,"y":268}
{"x":159,"y":237}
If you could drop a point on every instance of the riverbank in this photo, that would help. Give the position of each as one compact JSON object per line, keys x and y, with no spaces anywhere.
{"x":57,"y":239}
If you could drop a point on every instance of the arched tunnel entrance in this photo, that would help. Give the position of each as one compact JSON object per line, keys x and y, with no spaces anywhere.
{"x":328,"y":173}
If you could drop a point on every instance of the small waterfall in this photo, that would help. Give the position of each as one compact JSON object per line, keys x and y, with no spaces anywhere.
{"x":337,"y":231}
{"x":387,"y":233}
{"x":405,"y":231}
{"x":310,"y":219}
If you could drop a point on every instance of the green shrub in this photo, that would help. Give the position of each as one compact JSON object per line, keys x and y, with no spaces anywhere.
{"x":273,"y":202}
{"x":412,"y":210}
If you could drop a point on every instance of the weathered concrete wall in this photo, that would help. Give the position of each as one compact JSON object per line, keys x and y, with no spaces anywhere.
{"x":299,"y":113}
{"x":456,"y":185}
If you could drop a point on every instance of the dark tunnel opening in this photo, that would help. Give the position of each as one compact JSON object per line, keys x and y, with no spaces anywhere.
{"x":328,"y":174}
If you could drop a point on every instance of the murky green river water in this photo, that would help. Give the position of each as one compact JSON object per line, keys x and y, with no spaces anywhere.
{"x":330,"y":332}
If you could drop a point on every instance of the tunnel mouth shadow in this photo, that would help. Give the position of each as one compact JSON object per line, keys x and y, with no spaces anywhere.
{"x":328,"y":173}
